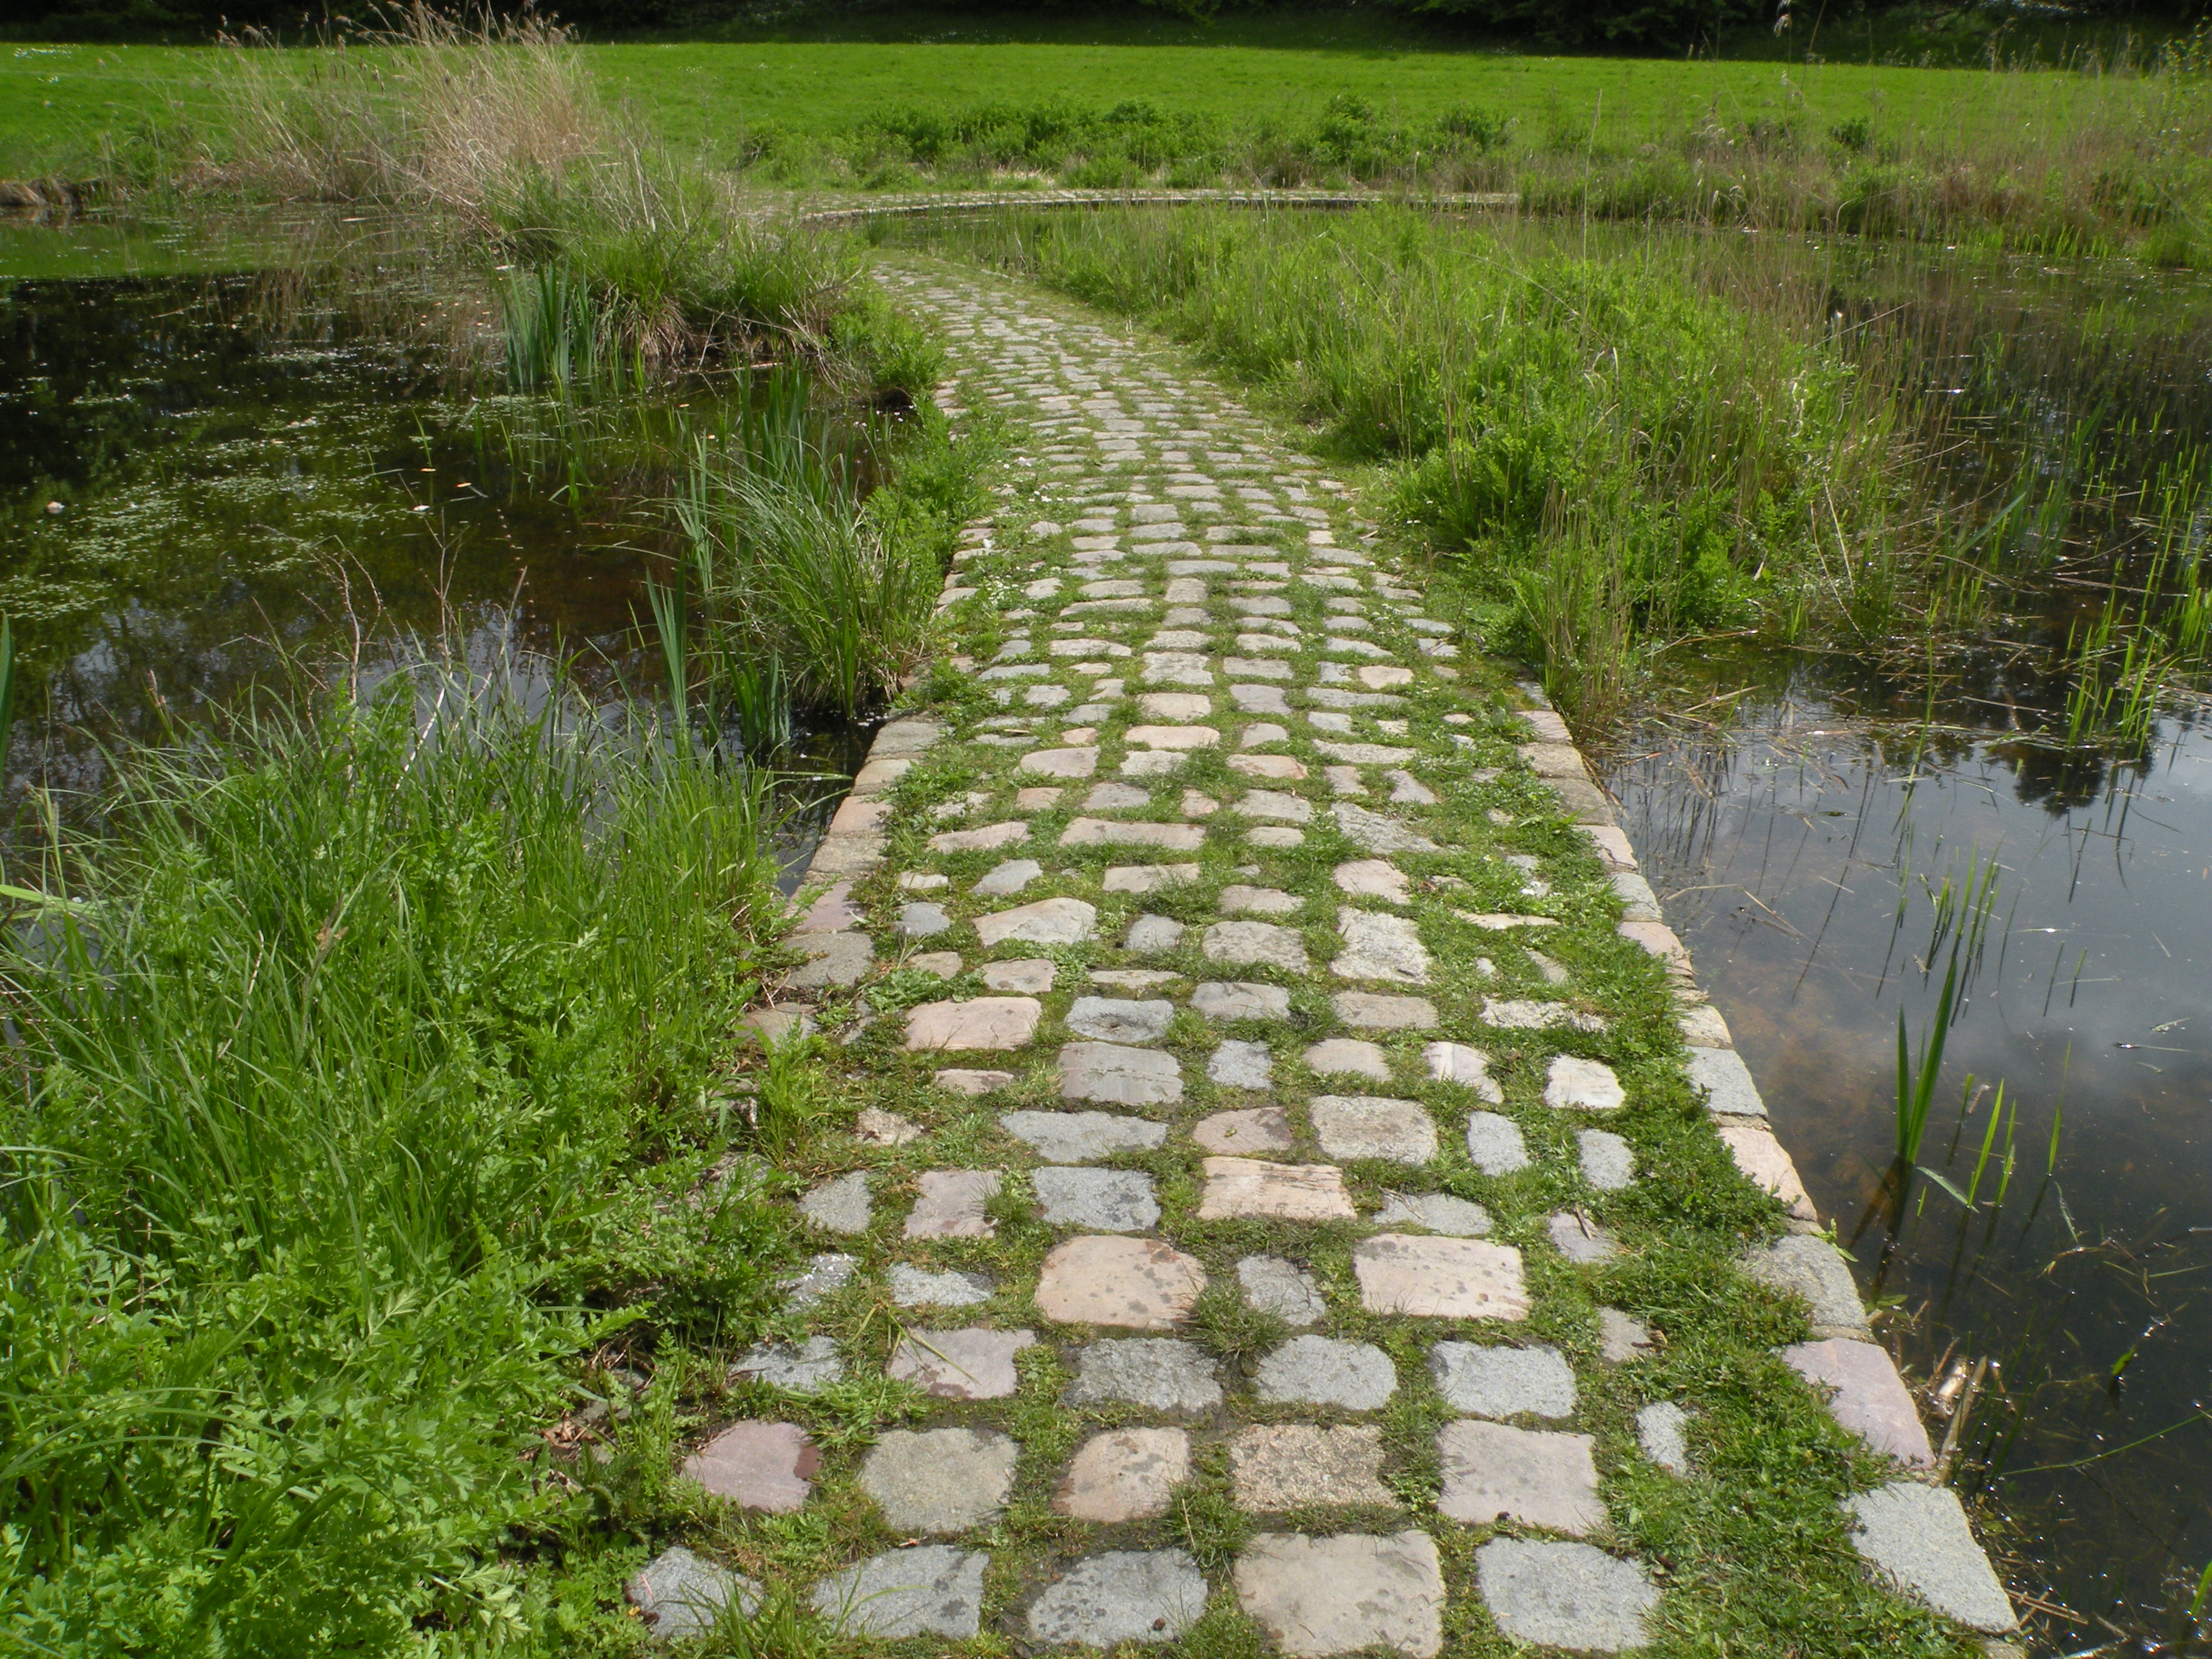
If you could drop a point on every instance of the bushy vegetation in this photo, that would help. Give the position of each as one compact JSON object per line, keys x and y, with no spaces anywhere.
{"x":1603,"y":454}
{"x":358,"y":1090}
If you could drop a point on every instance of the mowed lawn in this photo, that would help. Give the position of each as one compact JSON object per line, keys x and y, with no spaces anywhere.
{"x":57,"y":102}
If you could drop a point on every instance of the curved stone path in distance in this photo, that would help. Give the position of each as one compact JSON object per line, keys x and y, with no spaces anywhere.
{"x":1221,"y":1001}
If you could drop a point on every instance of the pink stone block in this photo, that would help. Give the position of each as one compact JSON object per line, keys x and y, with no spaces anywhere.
{"x":762,"y":1466}
{"x":1869,"y":1398}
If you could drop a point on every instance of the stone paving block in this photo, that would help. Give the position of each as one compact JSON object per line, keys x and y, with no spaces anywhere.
{"x":1257,"y":945}
{"x":1528,"y":1014}
{"x":768,"y":1467}
{"x":1259,"y":901}
{"x":1134,"y":1284}
{"x":1702,"y":1027}
{"x":942,"y":964}
{"x":1032,"y":976}
{"x":1539,"y":1477}
{"x":962,"y":1080}
{"x":1372,"y":1010}
{"x":1917,"y":1535}
{"x":1580,"y":1238}
{"x":832,"y":959}
{"x":1082,"y":1137}
{"x":679,"y":1597}
{"x":1272,"y":1286}
{"x":1103,"y":1200}
{"x":1236,"y":1064}
{"x":825,"y":1275}
{"x":1295,"y":1466}
{"x":1155,"y":934}
{"x":1659,"y":1432}
{"x":1133,"y":979}
{"x":940,"y":1480}
{"x":832,"y":913}
{"x":1376,"y":832}
{"x":951,"y":1204}
{"x":1622,"y":1337}
{"x":1120,"y":1019}
{"x":1320,"y":1370}
{"x":1291,"y":1192}
{"x":1373,"y":1125}
{"x":1173,"y":737}
{"x":808,"y":1367}
{"x":841,"y":1205}
{"x":1103,"y":832}
{"x":1348,"y":1057}
{"x":981,"y":839}
{"x":919,"y":1287}
{"x":1274,"y":767}
{"x":1124,"y":1474}
{"x":1121,"y":1596}
{"x":1469,"y":1067}
{"x":965,"y":1365}
{"x":922,"y":919}
{"x":1149,"y":763}
{"x":1372,"y":878}
{"x":1048,"y":921}
{"x":1564,"y":1596}
{"x":935,"y":1590}
{"x":1573,"y":1084}
{"x":1439,"y":1212}
{"x":1119,"y":1075}
{"x":1172,"y":705}
{"x":1274,"y":836}
{"x":1239,"y":999}
{"x":1275,"y":806}
{"x":1765,"y":1163}
{"x":1146,"y":878}
{"x":1812,"y":1268}
{"x":979,"y":1023}
{"x":1160,"y":1373}
{"x":1501,"y":1382}
{"x":1868,"y":1397}
{"x":1059,"y":762}
{"x":1495,"y":1143}
{"x":1440,"y":1277}
{"x":1319,"y":1596}
{"x":1242,"y":1135}
{"x":1115,"y":798}
{"x":1008,"y":878}
{"x":1727,"y":1082}
{"x":1608,"y":1162}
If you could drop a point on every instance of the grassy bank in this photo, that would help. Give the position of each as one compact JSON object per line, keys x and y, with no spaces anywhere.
{"x":1606,"y":460}
{"x":2092,"y":156}
{"x":367,"y":1107}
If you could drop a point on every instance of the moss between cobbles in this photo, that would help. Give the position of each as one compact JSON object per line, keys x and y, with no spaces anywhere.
{"x":1752,"y":1549}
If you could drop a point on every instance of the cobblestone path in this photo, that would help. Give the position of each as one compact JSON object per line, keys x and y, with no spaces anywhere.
{"x":1280,"y":1103}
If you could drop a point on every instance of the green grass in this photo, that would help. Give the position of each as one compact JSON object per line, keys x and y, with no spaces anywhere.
{"x":714,"y":98}
{"x":361,"y":1090}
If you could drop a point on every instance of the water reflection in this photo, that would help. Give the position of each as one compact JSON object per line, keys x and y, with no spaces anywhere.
{"x":1802,"y":852}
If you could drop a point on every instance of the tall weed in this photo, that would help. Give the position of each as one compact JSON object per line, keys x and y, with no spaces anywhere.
{"x":357,"y":1089}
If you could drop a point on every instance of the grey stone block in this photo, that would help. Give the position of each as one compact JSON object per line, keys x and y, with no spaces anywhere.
{"x":1317,"y":1596}
{"x":1373,"y":1125}
{"x":1608,"y":1162}
{"x":1118,"y":1075}
{"x":1659,"y":1432}
{"x":1237,"y":999}
{"x":825,"y":1275}
{"x":841,"y":1205}
{"x":1564,"y":1596}
{"x":1275,"y":1286}
{"x":806,"y":1369}
{"x":1155,"y":934}
{"x":1240,"y":1065}
{"x":1501,"y":1382}
{"x":1495,"y":1143}
{"x":1320,"y":1370}
{"x":936,"y":1589}
{"x":1438,"y":1212}
{"x":916,"y":1287}
{"x":1162,"y":1374}
{"x":1122,"y":1596}
{"x":1919,"y":1537}
{"x":1120,"y":1019}
{"x":1082,"y":1137}
{"x":1815,"y":1269}
{"x":939,"y":1479}
{"x":1097,"y":1200}
{"x":680,"y":1595}
{"x":1727,"y":1082}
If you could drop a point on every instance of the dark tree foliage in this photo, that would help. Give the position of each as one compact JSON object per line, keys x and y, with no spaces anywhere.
{"x":1633,"y":24}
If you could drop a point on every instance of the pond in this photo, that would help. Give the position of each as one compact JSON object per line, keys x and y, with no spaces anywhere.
{"x":1821,"y":834}
{"x":236,"y":455}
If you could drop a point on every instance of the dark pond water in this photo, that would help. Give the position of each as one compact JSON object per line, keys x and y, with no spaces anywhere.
{"x":1801,"y":828}
{"x":231,"y":456}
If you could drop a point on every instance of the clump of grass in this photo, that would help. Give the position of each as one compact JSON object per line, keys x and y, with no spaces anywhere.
{"x":359,"y":1091}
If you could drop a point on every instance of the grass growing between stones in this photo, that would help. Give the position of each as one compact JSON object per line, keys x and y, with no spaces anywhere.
{"x":1750,"y":1550}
